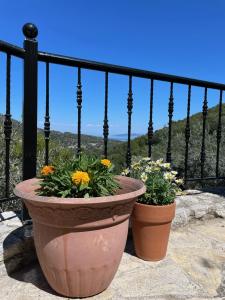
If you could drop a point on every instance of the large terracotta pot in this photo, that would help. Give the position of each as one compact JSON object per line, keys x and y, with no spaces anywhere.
{"x":151,"y":228}
{"x":80,"y":242}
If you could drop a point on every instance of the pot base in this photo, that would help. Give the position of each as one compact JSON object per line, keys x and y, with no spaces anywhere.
{"x":80,"y":264}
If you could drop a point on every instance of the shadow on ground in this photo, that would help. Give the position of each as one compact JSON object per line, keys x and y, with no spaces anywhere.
{"x":129,"y":248}
{"x":34,"y":275}
{"x":21,"y":261}
{"x":220,"y":191}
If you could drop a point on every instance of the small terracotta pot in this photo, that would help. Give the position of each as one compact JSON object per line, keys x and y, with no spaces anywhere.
{"x":151,"y":228}
{"x":80,"y":242}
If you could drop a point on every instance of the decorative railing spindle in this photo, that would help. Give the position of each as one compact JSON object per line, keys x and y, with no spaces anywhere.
{"x":204,"y":115}
{"x":150,"y":124}
{"x":47,"y":117}
{"x":219,"y":130}
{"x":187,"y":133}
{"x":106,"y":125}
{"x":79,"y":107}
{"x":170,"y":114}
{"x":129,"y":111}
{"x":7,"y":127}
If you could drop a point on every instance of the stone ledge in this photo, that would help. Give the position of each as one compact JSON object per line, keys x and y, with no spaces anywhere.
{"x":199,"y":205}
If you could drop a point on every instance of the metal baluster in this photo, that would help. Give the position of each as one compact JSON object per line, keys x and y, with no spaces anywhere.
{"x":204,"y":115}
{"x":79,"y":107}
{"x":170,"y":114}
{"x":7,"y":127}
{"x":219,"y":129}
{"x":187,"y":133}
{"x":129,"y":111}
{"x":106,"y":126}
{"x":150,"y":124}
{"x":47,"y":117}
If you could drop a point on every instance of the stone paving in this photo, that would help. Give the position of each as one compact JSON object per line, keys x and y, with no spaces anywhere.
{"x":193,"y":269}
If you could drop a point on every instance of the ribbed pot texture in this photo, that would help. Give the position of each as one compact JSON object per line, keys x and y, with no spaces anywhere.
{"x":80,"y":242}
{"x":151,"y":228}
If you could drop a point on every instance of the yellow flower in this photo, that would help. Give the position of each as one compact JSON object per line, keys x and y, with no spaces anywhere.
{"x":156,"y":169}
{"x":166,"y":165}
{"x":46,"y":170}
{"x":106,"y":162}
{"x":169,"y":176}
{"x":135,"y":166}
{"x":144,"y":177}
{"x":80,"y":177}
{"x":148,"y":169}
{"x":179,"y":181}
{"x":146,"y":159}
{"x":159,"y":162}
{"x":125,"y":172}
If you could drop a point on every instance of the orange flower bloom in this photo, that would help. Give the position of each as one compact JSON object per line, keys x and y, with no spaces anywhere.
{"x":46,"y":170}
{"x":80,"y":177}
{"x":106,"y":162}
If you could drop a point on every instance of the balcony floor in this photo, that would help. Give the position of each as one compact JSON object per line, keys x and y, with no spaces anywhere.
{"x":193,"y":269}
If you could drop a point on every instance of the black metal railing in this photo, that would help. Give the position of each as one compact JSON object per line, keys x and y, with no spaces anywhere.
{"x":31,"y":56}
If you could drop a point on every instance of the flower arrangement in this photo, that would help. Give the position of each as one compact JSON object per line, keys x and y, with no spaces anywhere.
{"x":161,"y":181}
{"x":82,"y":177}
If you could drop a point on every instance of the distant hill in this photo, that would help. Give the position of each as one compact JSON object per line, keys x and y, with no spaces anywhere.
{"x":63,"y":139}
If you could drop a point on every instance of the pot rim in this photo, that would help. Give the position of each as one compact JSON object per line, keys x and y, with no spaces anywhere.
{"x":24,"y":191}
{"x":156,"y":206}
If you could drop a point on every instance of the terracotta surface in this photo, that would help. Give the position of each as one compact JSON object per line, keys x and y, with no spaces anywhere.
{"x":151,"y":228}
{"x":80,"y":242}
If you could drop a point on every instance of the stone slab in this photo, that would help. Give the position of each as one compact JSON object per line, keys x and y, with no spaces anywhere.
{"x":193,"y":269}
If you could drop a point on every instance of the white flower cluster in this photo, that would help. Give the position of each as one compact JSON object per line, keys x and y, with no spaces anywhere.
{"x":162,"y":183}
{"x":145,"y":167}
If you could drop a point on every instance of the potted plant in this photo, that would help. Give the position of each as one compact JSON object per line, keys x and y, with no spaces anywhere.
{"x":80,"y":214}
{"x":154,"y":211}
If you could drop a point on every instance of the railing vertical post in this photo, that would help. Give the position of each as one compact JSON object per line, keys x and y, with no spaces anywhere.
{"x":30,"y":105}
{"x":187,"y":135}
{"x":129,"y":112}
{"x":150,"y":124}
{"x":219,"y":133}
{"x":79,"y":107}
{"x":7,"y":127}
{"x":204,"y":116}
{"x":106,"y":123}
{"x":170,"y":115}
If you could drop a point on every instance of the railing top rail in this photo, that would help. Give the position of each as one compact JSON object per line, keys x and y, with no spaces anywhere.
{"x":11,"y":49}
{"x":99,"y":66}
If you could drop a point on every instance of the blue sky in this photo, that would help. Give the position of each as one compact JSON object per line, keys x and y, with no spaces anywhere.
{"x":185,"y":38}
